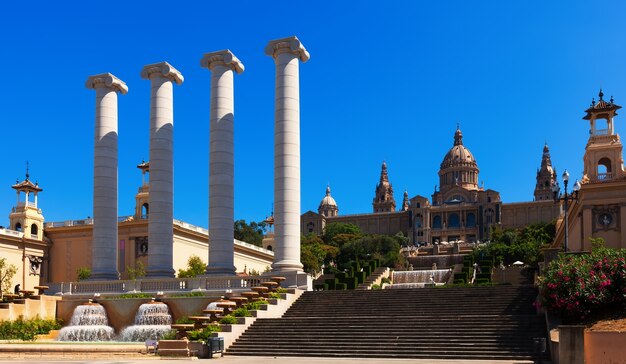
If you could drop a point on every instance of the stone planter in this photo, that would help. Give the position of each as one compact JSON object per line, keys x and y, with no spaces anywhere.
{"x":199,"y":349}
{"x":605,"y":347}
{"x":173,"y":348}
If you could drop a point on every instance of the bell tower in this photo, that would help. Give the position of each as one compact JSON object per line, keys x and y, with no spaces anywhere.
{"x":142,"y":198}
{"x":546,"y":177}
{"x":603,"y":154}
{"x":26,"y":217}
{"x":384,"y":201}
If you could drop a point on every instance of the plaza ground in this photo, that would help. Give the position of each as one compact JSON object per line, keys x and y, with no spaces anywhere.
{"x":267,"y":360}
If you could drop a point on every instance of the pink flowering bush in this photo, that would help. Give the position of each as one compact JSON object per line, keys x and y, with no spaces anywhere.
{"x":576,"y":286}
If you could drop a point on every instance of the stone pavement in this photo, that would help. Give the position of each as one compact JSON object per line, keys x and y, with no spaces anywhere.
{"x":117,"y":353}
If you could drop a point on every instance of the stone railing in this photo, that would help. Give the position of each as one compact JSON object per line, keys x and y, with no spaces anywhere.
{"x":15,"y":233}
{"x":151,"y":285}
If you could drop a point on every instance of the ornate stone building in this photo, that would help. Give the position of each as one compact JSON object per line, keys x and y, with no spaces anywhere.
{"x":460,"y":210}
{"x":598,"y":209}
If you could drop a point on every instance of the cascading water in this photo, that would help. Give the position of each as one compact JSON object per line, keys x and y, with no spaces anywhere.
{"x":89,"y":323}
{"x":419,"y":278}
{"x":152,"y":321}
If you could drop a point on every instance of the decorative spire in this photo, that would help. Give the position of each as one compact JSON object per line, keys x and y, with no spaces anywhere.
{"x":405,"y":201}
{"x":458,"y":137}
{"x":384,"y":177}
{"x":600,"y":94}
{"x":27,"y":175}
{"x":328,"y":190}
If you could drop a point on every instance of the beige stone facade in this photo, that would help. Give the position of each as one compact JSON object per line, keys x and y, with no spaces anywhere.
{"x":460,"y":210}
{"x":54,"y":251}
{"x":598,"y":209}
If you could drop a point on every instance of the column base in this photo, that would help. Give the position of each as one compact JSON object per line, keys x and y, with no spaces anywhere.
{"x":221,"y":271}
{"x":161,"y":273}
{"x":104,"y":276}
{"x":287,"y":266}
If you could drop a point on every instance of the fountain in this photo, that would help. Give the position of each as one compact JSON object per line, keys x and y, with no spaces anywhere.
{"x":152,"y":321}
{"x":420,"y":278}
{"x":89,"y":323}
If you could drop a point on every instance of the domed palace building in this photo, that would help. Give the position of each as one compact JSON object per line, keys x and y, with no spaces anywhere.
{"x":460,"y":210}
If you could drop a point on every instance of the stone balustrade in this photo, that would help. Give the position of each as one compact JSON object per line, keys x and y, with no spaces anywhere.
{"x":153,"y":285}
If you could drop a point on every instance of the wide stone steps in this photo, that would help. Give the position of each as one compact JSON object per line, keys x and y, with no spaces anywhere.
{"x":481,"y":323}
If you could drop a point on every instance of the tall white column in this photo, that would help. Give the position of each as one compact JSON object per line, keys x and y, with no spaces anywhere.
{"x":104,"y":243}
{"x":161,"y":200}
{"x":221,"y":162}
{"x":286,"y":53}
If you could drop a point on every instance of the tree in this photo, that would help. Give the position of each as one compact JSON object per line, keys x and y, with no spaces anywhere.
{"x":195,"y":267}
{"x":7,"y":271}
{"x":138,"y":272}
{"x":332,"y":230}
{"x":385,"y":248}
{"x":314,"y":253}
{"x":251,"y":234}
{"x":510,"y":245}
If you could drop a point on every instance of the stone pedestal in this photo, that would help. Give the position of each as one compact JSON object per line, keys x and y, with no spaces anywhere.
{"x":221,"y":162}
{"x":160,"y":219}
{"x":104,"y":246}
{"x":287,"y":53}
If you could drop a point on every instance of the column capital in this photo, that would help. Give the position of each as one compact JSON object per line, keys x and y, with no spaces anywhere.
{"x":106,"y":80}
{"x":225,"y":57}
{"x":164,"y":69}
{"x":287,"y":45}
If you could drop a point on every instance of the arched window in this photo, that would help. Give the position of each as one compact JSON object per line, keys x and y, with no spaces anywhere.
{"x":454,"y":221}
{"x":604,"y":169}
{"x":310,"y":226}
{"x":437,"y":222}
{"x":34,"y":229}
{"x":18,"y":227}
{"x":269,"y":247}
{"x":145,"y":210}
{"x":471,"y":220}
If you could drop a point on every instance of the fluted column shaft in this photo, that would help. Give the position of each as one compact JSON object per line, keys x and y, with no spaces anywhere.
{"x":221,"y":162}
{"x":104,"y":236}
{"x":161,"y":200}
{"x":286,"y":53}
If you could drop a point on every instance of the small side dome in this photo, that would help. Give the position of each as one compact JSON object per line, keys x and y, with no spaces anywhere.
{"x":328,"y":206}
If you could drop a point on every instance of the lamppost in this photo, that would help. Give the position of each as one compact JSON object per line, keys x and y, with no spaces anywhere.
{"x":565,"y":198}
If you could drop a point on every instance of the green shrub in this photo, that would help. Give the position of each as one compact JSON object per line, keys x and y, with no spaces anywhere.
{"x":321,"y":286}
{"x":136,"y":295}
{"x":577,"y":286}
{"x":459,"y":281}
{"x":203,"y":334}
{"x":242,"y":312}
{"x":375,"y":286}
{"x":331,"y":282}
{"x":281,"y":290}
{"x":228,"y":320}
{"x":482,"y":281}
{"x":341,"y":286}
{"x":187,"y":294}
{"x":184,"y":320}
{"x":255,"y":305}
{"x":170,"y":335}
{"x":385,"y":280}
{"x":275,"y":295}
{"x":21,"y":329}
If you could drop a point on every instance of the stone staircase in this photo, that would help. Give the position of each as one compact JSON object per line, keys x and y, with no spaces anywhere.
{"x":481,"y":323}
{"x":374,"y":278}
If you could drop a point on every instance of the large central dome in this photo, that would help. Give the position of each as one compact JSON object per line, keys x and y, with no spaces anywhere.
{"x":458,"y":154}
{"x":458,"y":167}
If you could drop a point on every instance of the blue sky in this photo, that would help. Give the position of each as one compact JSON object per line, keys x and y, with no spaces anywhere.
{"x":386,"y":81}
